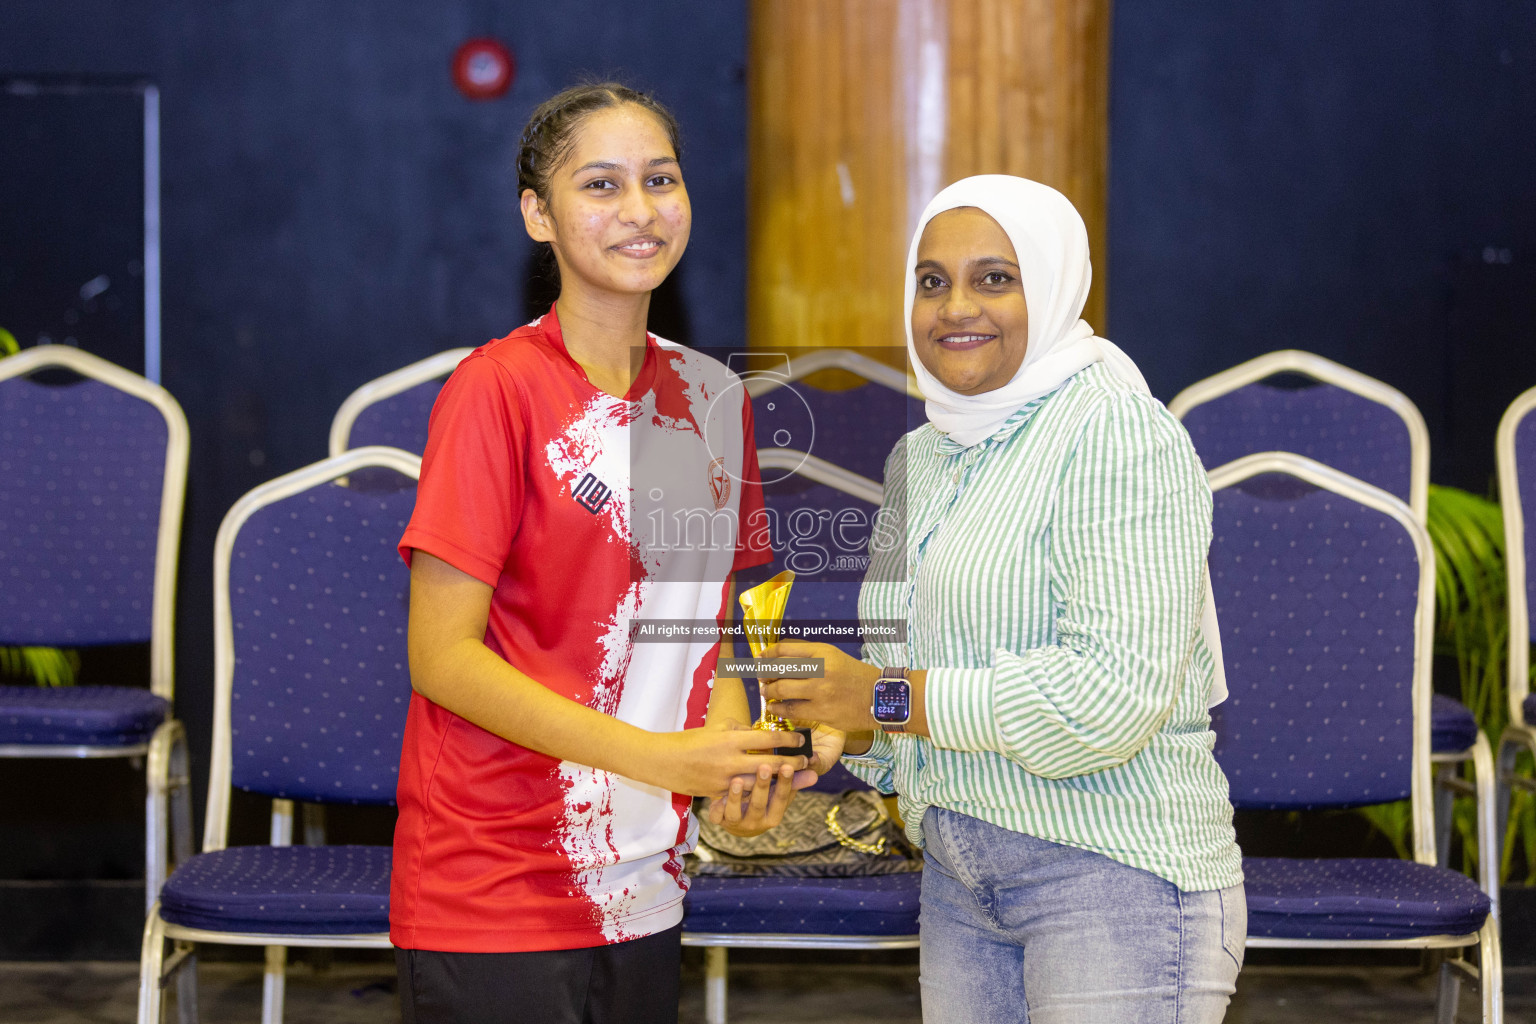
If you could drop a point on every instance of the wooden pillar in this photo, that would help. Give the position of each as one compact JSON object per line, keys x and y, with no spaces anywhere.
{"x":860,"y":110}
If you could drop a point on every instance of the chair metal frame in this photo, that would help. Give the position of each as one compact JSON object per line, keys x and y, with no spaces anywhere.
{"x":1324,"y":371}
{"x":717,"y":945}
{"x":1490,"y":968}
{"x":387,"y":386}
{"x":155,"y":969}
{"x":1448,"y":784}
{"x":167,"y":806}
{"x":756,"y":382}
{"x":760,"y":382}
{"x":819,"y":470}
{"x":1518,"y":734}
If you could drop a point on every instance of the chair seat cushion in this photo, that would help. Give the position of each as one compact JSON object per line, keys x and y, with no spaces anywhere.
{"x":1359,"y":898}
{"x":102,"y":716}
{"x":1452,"y":728}
{"x":294,"y":890}
{"x":877,"y":905}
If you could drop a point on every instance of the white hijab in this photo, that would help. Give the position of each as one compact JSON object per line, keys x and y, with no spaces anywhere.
{"x":1051,"y":244}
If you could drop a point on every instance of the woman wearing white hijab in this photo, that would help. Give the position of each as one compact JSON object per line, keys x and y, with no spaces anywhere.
{"x":1045,"y":721}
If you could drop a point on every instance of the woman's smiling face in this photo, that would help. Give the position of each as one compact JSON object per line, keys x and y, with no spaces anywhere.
{"x":970,"y":325}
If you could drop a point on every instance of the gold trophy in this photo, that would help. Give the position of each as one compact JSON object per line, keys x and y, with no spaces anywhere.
{"x":763,"y":608}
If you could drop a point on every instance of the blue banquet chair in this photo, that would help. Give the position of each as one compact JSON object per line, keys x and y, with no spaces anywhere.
{"x":1373,"y":432}
{"x":311,"y":688}
{"x":1516,"y":450}
{"x":1325,"y":590}
{"x":1342,"y":418}
{"x":93,"y":473}
{"x":393,"y":410}
{"x":872,"y":912}
{"x":853,"y":428}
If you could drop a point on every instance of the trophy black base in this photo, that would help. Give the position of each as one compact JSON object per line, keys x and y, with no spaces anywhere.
{"x":805,"y":748}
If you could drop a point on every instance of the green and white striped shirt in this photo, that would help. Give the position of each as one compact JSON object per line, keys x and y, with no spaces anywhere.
{"x":1052,"y":585}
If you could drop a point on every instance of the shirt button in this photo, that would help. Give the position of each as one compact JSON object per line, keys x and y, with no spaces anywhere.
{"x":957,"y":476}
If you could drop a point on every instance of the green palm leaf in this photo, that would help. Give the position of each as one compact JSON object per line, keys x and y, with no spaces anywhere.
{"x":48,"y":666}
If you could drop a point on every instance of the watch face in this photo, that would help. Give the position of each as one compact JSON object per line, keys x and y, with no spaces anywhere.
{"x":893,"y":700}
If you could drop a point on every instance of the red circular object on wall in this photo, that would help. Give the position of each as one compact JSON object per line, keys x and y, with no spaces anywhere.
{"x":483,"y":69}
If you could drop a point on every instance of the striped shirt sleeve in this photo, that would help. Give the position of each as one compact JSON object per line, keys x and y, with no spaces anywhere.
{"x":1133,"y":494}
{"x":877,"y":765}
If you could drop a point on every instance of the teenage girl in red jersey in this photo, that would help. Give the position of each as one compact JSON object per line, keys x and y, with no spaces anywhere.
{"x":548,"y":759}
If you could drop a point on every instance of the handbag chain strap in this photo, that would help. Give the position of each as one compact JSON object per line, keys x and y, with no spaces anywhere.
{"x":874,"y":849}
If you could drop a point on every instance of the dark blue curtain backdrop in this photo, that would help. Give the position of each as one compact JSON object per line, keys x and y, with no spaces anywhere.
{"x":1357,"y":179}
{"x":1349,"y":177}
{"x":333,"y":209}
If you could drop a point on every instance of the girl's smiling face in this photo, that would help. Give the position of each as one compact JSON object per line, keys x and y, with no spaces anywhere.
{"x":618,"y":215}
{"x":970,"y":325}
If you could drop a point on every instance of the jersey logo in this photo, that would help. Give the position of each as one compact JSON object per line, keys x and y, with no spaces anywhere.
{"x":719,"y":482}
{"x":591,"y":494}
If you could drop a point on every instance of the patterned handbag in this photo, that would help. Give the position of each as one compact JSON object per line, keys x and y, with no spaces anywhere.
{"x":823,"y":835}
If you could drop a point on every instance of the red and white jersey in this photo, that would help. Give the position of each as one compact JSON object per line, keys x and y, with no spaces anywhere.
{"x":585,"y":512}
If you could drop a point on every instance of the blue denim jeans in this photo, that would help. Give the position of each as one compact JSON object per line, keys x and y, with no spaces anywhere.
{"x":1017,"y":929}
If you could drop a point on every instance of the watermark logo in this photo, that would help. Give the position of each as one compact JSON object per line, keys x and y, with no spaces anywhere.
{"x":786,"y":423}
{"x":829,"y":631}
{"x":826,"y":429}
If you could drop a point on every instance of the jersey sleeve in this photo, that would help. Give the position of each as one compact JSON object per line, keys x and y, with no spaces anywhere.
{"x":469,"y":500}
{"x":753,"y":539}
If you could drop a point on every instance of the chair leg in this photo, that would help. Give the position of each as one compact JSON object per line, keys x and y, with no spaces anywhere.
{"x":151,"y":961}
{"x":1491,"y":971}
{"x":1447,"y":995}
{"x":1516,"y":738}
{"x":167,"y":807}
{"x":181,"y":801}
{"x":1508,"y":751}
{"x":716,"y":966}
{"x":1445,"y":804}
{"x":154,"y":846}
{"x":181,"y":852}
{"x":155,"y":834}
{"x":186,"y":986}
{"x":312,"y":818}
{"x":273,"y":981}
{"x":1488,"y":836}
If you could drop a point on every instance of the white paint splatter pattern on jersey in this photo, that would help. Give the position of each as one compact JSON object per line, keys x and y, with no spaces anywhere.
{"x":619,"y":834}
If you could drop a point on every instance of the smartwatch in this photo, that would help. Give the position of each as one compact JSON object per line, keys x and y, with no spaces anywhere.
{"x":892,"y":704}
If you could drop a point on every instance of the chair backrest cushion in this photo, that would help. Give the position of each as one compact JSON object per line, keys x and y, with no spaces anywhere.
{"x":1337,"y":427}
{"x":1317,"y":597}
{"x":318,"y":599}
{"x":399,"y":421}
{"x":854,"y":429}
{"x":819,"y":531}
{"x":82,"y":467}
{"x":1525,"y":461}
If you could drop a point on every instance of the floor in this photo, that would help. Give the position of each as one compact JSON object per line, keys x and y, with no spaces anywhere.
{"x":856,"y":990}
